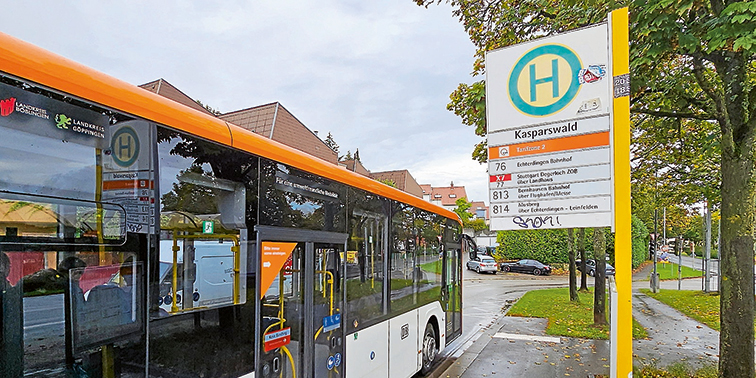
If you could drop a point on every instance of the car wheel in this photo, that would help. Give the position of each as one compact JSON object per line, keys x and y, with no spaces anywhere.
{"x":507,"y":269}
{"x":537,"y":272}
{"x":591,"y":272}
{"x":468,"y":266}
{"x":477,"y":269}
{"x":430,"y":349}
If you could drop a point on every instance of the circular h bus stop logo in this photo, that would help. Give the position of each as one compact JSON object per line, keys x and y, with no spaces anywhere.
{"x":544,"y":80}
{"x":125,"y":146}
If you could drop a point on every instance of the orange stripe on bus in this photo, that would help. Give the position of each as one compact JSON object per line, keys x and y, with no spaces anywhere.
{"x":552,"y":145}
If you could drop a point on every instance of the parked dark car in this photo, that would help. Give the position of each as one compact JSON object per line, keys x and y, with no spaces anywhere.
{"x":526,"y":266}
{"x":590,"y":267}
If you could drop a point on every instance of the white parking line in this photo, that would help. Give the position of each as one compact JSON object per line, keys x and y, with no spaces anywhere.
{"x":512,"y":336}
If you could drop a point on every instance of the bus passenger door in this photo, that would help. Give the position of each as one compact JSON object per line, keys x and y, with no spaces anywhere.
{"x":452,"y":285}
{"x":299,"y":328}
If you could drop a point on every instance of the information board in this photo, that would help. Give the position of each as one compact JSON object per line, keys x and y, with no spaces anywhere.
{"x":548,"y":107}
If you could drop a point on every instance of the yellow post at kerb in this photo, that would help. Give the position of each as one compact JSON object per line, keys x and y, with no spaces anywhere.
{"x":618,"y":20}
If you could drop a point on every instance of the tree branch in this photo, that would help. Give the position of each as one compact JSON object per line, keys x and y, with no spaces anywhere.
{"x":678,"y":115}
{"x":710,"y":91}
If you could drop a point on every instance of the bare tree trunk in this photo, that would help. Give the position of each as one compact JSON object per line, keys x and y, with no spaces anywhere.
{"x":573,"y":278}
{"x":736,"y":264}
{"x":581,"y":249}
{"x":599,"y":296}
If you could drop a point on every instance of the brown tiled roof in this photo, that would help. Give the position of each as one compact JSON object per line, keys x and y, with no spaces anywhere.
{"x":276,"y":122}
{"x":448,"y":195}
{"x":426,"y":188}
{"x":474,"y":206}
{"x":355,"y":166}
{"x":167,"y":90}
{"x":403,"y":180}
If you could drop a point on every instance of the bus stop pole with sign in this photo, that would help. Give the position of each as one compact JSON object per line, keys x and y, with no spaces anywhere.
{"x":622,"y":334}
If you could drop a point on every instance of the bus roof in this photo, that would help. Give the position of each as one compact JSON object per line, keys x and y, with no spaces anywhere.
{"x":35,"y":64}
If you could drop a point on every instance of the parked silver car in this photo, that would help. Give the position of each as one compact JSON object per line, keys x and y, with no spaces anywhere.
{"x":483,"y":264}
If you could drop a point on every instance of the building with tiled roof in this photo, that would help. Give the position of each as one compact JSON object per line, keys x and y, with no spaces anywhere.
{"x":275,"y":122}
{"x":270,"y":120}
{"x":355,"y":166}
{"x":427,"y":190}
{"x":479,"y":209}
{"x":447,"y":196}
{"x":167,"y":90}
{"x":403,"y":180}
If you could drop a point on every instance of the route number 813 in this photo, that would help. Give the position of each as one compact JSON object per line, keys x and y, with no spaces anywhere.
{"x":498,"y":195}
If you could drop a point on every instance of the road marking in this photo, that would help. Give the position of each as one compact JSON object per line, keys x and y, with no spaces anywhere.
{"x":43,"y":324}
{"x":513,"y":336}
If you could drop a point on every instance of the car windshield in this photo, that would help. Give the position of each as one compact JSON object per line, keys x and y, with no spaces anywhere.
{"x":488,"y":260}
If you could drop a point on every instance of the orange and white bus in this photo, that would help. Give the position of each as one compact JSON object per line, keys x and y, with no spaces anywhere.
{"x":142,"y":238}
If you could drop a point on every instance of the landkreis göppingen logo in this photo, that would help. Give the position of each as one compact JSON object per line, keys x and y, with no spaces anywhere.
{"x":544,"y":80}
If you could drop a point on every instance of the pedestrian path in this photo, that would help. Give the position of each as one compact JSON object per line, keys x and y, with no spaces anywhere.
{"x":672,"y":336}
{"x":520,"y":347}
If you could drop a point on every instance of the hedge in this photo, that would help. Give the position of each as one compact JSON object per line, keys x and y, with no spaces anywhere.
{"x":550,"y":246}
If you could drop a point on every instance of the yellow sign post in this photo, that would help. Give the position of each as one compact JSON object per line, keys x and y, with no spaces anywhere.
{"x":622,"y":334}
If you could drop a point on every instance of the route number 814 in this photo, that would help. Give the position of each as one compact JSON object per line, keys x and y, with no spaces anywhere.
{"x":500,"y":209}
{"x":498,"y":195}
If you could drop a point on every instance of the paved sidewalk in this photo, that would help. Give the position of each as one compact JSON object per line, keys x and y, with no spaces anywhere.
{"x":497,"y":353}
{"x":519,"y":347}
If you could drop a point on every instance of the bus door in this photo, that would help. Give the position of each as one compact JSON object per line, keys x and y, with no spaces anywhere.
{"x":452,"y":286}
{"x":299,"y":327}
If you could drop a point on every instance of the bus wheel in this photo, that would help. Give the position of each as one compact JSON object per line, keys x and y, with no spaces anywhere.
{"x":430,"y":349}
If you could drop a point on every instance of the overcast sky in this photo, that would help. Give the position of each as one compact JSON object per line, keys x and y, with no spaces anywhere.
{"x":375,"y":74}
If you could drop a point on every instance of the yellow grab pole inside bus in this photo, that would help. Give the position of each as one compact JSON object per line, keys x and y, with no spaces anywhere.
{"x":618,"y":20}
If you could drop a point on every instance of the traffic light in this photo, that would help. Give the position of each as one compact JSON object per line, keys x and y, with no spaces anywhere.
{"x":651,"y":248}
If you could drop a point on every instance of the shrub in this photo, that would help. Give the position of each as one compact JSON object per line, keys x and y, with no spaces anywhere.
{"x":550,"y":246}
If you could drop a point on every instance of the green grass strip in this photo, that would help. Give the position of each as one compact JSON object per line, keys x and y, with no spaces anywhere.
{"x":433,"y":267}
{"x":668,"y":271}
{"x":678,"y":370}
{"x":565,"y":318}
{"x":696,"y":304}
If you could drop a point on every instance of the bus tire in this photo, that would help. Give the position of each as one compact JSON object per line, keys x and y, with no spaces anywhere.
{"x":430,"y":349}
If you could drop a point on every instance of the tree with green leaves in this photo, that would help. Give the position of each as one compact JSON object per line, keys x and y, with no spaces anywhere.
{"x":388,"y":182}
{"x":209,"y":108}
{"x":468,"y":219}
{"x":331,"y":143}
{"x":583,"y":266}
{"x":599,"y":287}
{"x":573,"y":276}
{"x":713,"y":47}
{"x":693,"y":72}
